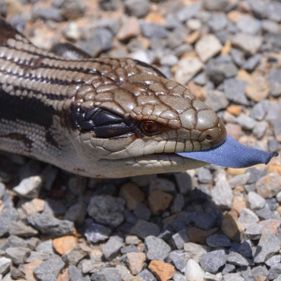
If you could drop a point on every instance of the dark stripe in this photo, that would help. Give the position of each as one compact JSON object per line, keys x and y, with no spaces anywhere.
{"x":20,"y":137}
{"x":30,"y":110}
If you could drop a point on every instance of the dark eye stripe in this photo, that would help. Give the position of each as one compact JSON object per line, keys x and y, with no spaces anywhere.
{"x":103,"y":122}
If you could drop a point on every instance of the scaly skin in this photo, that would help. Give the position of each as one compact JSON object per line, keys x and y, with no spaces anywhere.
{"x":45,"y":100}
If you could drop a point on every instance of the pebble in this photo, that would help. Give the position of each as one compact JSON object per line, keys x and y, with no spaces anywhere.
{"x":49,"y":269}
{"x":130,"y":28}
{"x":111,"y":248}
{"x":34,"y":206}
{"x":233,"y":277}
{"x":137,"y":8}
{"x":136,"y":262}
{"x":260,"y":129}
{"x":193,"y":271}
{"x":159,"y":201}
{"x":72,"y":32}
{"x":184,"y":182}
{"x":255,"y":200}
{"x":179,"y":238}
{"x":75,"y":274}
{"x":274,"y":80}
{"x":248,"y":24}
{"x":237,"y":259}
{"x":246,"y":122}
{"x":65,"y":244}
{"x":219,"y":69}
{"x":146,"y":275}
{"x":106,"y":209}
{"x":247,"y":42}
{"x":163,"y":271}
{"x":235,"y":91}
{"x":106,"y":274}
{"x":194,"y":251}
{"x":218,"y":241}
{"x":47,"y":13}
{"x":188,"y":12}
{"x":216,"y":100}
{"x":132,"y":195}
{"x":161,"y":184}
{"x":144,"y":228}
{"x":179,"y":259}
{"x":29,"y":187}
{"x":152,"y":30}
{"x":187,"y":68}
{"x":222,"y":192}
{"x":95,"y":232}
{"x":218,"y":21}
{"x":5,"y":264}
{"x":252,"y":62}
{"x":19,"y":228}
{"x":207,"y":47}
{"x":213,"y":261}
{"x":157,"y":249}
{"x":247,"y":216}
{"x":269,"y":185}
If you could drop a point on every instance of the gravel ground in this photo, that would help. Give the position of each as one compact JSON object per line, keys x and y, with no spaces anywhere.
{"x":208,"y":224}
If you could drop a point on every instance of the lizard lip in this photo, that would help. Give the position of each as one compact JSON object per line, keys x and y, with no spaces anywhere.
{"x":231,"y":154}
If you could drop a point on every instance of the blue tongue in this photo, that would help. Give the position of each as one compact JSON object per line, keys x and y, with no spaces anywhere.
{"x":231,"y":154}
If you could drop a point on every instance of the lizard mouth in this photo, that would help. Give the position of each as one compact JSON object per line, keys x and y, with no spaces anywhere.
{"x":231,"y":154}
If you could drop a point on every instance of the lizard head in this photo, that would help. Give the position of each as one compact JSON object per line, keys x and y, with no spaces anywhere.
{"x":135,"y":120}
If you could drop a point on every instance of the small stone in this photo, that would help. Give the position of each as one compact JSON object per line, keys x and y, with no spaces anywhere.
{"x":269,"y":185}
{"x":106,"y":209}
{"x":259,"y":111}
{"x":246,"y":122}
{"x":132,"y":195}
{"x":17,"y":254}
{"x":96,"y":232}
{"x":63,"y":245}
{"x":247,"y":217}
{"x":213,"y":261}
{"x":274,"y":10}
{"x":248,"y":43}
{"x":29,"y":187}
{"x":198,"y":235}
{"x":218,"y":21}
{"x":217,"y":5}
{"x":19,"y":228}
{"x":187,"y":68}
{"x":184,"y":182}
{"x":235,"y":91}
{"x":257,"y":88}
{"x":193,"y":271}
{"x":162,"y":270}
{"x":146,"y":275}
{"x":159,"y":201}
{"x":222,"y":192}
{"x":260,"y":129}
{"x":34,"y":206}
{"x":268,"y":246}
{"x":194,"y":251}
{"x":231,"y":226}
{"x":138,"y":8}
{"x":135,"y":262}
{"x":274,"y":80}
{"x":130,"y":28}
{"x":252,"y":62}
{"x":216,"y":100}
{"x":106,"y":274}
{"x":178,"y":203}
{"x":143,"y":229}
{"x":47,"y":13}
{"x":75,"y":256}
{"x":218,"y":240}
{"x":255,"y":200}
{"x":161,"y":184}
{"x":237,"y":259}
{"x":274,"y":272}
{"x":180,"y":238}
{"x":72,"y":31}
{"x":49,"y":269}
{"x":5,"y":264}
{"x":142,"y":212}
{"x":111,"y":248}
{"x":249,"y":24}
{"x":259,"y":273}
{"x":274,"y":260}
{"x":188,"y":12}
{"x":49,"y":225}
{"x":179,"y":277}
{"x":179,"y":259}
{"x":75,"y":274}
{"x":233,"y":277}
{"x":157,"y":249}
{"x":151,"y":30}
{"x":253,"y":231}
{"x":207,"y":47}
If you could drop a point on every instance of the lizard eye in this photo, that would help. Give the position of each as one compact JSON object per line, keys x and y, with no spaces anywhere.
{"x":150,"y":127}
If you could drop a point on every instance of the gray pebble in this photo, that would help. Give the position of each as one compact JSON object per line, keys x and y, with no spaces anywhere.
{"x":274,"y":271}
{"x":213,"y":261}
{"x":178,"y":277}
{"x":188,"y":12}
{"x":252,"y":62}
{"x":270,"y":26}
{"x":142,"y":212}
{"x":47,"y":13}
{"x":237,"y":259}
{"x":221,"y":68}
{"x":244,"y":248}
{"x":267,"y":246}
{"x":237,"y":57}
{"x":106,"y":209}
{"x":157,"y":249}
{"x":274,"y":260}
{"x":144,"y":228}
{"x":29,"y":187}
{"x":179,"y":238}
{"x":259,"y":110}
{"x":5,"y":264}
{"x":179,"y":259}
{"x":259,"y":272}
{"x":75,"y":274}
{"x":247,"y":216}
{"x":246,"y":122}
{"x":184,"y":182}
{"x":250,"y":44}
{"x":49,"y":269}
{"x":111,"y":248}
{"x":100,"y":41}
{"x":75,"y":256}
{"x":47,"y":224}
{"x":255,"y":200}
{"x":215,"y":5}
{"x":95,"y":232}
{"x":274,"y":11}
{"x":249,"y":24}
{"x":110,"y":5}
{"x":218,"y":240}
{"x":216,"y":100}
{"x":146,"y":275}
{"x":177,"y":204}
{"x":152,"y":30}
{"x":204,"y":175}
{"x":19,"y":228}
{"x":233,"y":277}
{"x":235,"y":91}
{"x":253,"y":231}
{"x":107,"y":274}
{"x":218,"y":21}
{"x":137,"y":8}
{"x":274,"y":79}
